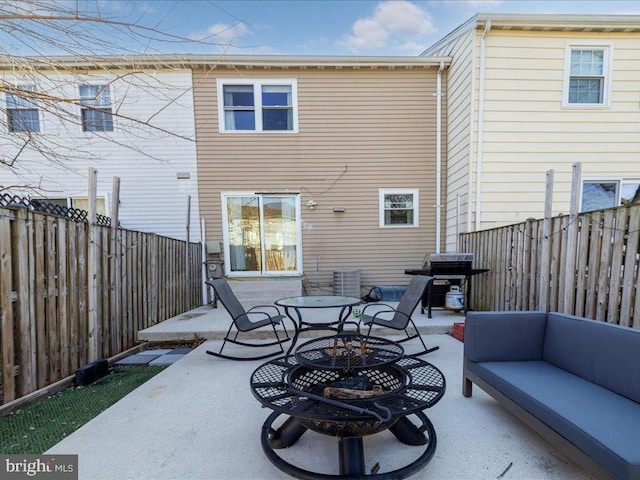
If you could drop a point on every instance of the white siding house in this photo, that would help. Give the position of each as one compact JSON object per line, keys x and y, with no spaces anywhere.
{"x":532,"y":93}
{"x":139,"y":127}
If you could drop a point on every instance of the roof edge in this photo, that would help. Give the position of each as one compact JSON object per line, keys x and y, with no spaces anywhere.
{"x":516,"y":21}
{"x":221,"y":61}
{"x":450,"y":37}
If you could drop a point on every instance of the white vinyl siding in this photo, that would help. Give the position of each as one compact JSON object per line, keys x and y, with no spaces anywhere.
{"x":153,"y":196}
{"x":527,"y":131}
{"x":459,"y":127}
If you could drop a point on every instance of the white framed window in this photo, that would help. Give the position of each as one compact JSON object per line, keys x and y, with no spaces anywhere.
{"x":95,"y":108}
{"x":587,"y":75}
{"x":257,"y":105}
{"x":609,"y":193}
{"x":398,"y":207}
{"x":22,"y":109}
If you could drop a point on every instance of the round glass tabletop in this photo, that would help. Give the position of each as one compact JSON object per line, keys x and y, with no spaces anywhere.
{"x":318,"y":301}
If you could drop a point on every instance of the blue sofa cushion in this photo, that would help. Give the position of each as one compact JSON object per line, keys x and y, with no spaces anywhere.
{"x":508,"y":336}
{"x":604,"y":425}
{"x":605,"y":354}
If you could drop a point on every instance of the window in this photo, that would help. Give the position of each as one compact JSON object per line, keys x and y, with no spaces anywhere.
{"x":22,"y":109}
{"x":262,"y":234}
{"x":257,"y":105}
{"x":398,"y":208}
{"x":587,"y":76}
{"x":597,"y":195}
{"x":95,"y":101}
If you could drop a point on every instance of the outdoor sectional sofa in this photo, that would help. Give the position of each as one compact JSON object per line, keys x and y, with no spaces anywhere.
{"x":575,"y":381}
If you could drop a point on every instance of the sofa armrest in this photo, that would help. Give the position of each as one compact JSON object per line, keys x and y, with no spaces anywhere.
{"x":504,"y":336}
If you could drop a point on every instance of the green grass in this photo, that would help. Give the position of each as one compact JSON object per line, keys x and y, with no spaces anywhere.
{"x":36,"y":428}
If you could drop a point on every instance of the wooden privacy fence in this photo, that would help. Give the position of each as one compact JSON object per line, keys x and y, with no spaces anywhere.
{"x":67,"y":297}
{"x":587,"y":266}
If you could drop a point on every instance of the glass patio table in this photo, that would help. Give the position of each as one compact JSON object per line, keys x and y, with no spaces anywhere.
{"x":293,"y":305}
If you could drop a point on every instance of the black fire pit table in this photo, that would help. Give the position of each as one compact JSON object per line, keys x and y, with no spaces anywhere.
{"x":348,"y":386}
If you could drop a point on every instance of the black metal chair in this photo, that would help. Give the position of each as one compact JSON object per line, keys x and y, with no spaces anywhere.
{"x":241,"y":320}
{"x":399,"y":318}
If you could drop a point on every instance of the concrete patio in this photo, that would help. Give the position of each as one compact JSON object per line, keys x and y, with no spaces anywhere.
{"x":199,"y":420}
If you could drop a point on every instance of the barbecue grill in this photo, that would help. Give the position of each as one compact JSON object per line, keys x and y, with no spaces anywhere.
{"x":451,"y":264}
{"x":348,"y":386}
{"x":446,"y":269}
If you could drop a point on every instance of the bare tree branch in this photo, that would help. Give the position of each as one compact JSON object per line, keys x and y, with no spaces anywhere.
{"x":50,"y":47}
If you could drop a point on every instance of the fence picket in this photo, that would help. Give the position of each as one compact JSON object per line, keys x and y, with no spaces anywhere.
{"x":26,"y":333}
{"x":631,"y":266}
{"x":6,"y":310}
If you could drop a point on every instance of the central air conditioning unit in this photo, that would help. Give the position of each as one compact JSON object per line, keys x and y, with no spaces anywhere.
{"x":346,"y":282}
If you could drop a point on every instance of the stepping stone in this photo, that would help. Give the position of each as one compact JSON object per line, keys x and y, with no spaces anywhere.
{"x":166,"y":359}
{"x":137,"y":359}
{"x":180,"y":351}
{"x":157,"y":353}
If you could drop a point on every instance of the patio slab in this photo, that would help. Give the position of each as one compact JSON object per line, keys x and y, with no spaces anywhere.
{"x":198,"y":420}
{"x":211,"y":323}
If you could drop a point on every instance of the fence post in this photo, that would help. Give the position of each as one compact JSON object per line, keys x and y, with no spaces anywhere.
{"x":187,"y":283}
{"x":543,"y":286}
{"x":115,"y":267}
{"x":92,"y":271}
{"x":572,"y":242}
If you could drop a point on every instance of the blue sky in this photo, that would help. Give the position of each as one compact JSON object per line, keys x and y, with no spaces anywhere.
{"x":338,"y":27}
{"x":294,"y":27}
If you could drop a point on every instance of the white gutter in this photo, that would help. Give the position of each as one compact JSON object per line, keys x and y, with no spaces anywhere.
{"x":483,"y":42}
{"x":439,"y":155}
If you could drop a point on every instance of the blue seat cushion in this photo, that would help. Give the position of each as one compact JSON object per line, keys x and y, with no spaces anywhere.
{"x":601,"y":423}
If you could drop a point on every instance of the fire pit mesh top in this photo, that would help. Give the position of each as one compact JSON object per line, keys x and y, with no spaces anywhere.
{"x":282,"y":384}
{"x":348,"y":351}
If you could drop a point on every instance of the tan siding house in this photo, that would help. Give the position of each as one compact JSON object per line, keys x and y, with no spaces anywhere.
{"x":296,"y":158}
{"x":532,"y":93}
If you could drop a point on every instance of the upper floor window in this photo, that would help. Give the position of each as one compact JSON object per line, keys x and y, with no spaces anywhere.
{"x":257,"y":105}
{"x":95,"y":102}
{"x":601,"y":194}
{"x":398,"y":207}
{"x":587,"y":76}
{"x":22,"y":109}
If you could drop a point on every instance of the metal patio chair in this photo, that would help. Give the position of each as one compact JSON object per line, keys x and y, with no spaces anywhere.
{"x":243,"y":322}
{"x":399,"y":318}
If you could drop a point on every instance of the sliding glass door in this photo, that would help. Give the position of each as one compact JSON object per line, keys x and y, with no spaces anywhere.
{"x":262,"y":234}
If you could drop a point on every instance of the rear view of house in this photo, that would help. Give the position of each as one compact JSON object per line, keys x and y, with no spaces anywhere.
{"x":308,"y":165}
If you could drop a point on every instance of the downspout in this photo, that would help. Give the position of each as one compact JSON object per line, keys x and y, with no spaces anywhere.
{"x":439,"y":155}
{"x":483,"y":42}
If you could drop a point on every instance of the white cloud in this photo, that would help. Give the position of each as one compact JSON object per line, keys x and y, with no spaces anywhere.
{"x":394,"y":23}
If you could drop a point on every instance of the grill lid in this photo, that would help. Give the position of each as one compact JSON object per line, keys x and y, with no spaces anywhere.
{"x":451,"y":257}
